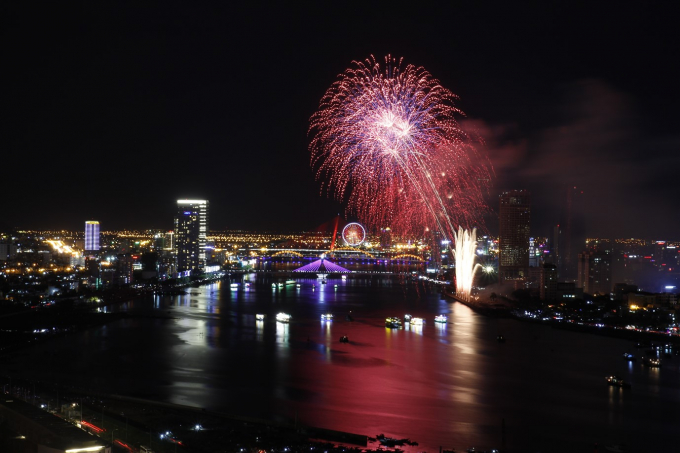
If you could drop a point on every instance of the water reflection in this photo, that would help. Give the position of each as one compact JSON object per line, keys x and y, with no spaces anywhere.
{"x":439,"y":384}
{"x":415,"y":328}
{"x":259,"y":330}
{"x":321,"y":294}
{"x":195,"y":333}
{"x":282,"y":333}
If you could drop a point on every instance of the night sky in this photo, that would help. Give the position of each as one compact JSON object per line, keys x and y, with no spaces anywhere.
{"x":113,"y":110}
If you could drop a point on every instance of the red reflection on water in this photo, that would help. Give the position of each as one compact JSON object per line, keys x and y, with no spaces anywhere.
{"x":389,"y":380}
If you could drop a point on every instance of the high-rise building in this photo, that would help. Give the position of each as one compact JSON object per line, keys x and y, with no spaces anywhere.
{"x":548,"y":283}
{"x":513,"y":239}
{"x":533,"y":257}
{"x":595,"y":272}
{"x":91,"y":236}
{"x":555,"y":250}
{"x":573,"y":233}
{"x":191,"y":230}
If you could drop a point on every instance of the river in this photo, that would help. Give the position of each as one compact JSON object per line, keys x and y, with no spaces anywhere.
{"x":450,"y":386}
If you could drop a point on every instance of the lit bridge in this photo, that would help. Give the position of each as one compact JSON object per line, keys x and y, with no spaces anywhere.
{"x":341,"y":253}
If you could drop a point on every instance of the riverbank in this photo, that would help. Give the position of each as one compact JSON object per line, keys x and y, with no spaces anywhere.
{"x":127,"y":423}
{"x":504,"y":309}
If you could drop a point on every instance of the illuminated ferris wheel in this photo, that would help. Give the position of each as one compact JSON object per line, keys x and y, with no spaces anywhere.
{"x":353,"y":234}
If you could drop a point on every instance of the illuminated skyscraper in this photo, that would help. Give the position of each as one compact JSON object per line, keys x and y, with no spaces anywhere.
{"x":92,"y":236}
{"x":191,"y":230}
{"x":513,"y":238}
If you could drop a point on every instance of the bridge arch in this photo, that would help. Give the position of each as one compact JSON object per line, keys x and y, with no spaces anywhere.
{"x":408,"y":255}
{"x":288,"y":252}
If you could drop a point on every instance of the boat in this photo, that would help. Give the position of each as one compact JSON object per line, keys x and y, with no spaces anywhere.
{"x":233,"y":285}
{"x":283,"y":317}
{"x":629,"y":357}
{"x":327,"y":317}
{"x":617,"y":381}
{"x":407,"y":318}
{"x":393,"y":322}
{"x":290,"y":282}
{"x":388,"y":441}
{"x":259,"y":317}
{"x":298,"y":285}
{"x":441,"y":318}
{"x":417,"y":321}
{"x":652,"y":362}
{"x":392,"y":442}
{"x":500,"y":339}
{"x":344,"y":339}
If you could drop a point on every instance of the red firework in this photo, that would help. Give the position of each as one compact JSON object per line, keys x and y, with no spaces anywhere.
{"x":386,"y":140}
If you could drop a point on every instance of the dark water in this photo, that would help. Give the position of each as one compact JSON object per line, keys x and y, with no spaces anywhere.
{"x":447,"y":385}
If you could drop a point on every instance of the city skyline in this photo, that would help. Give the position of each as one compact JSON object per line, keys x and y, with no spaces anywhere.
{"x":142,"y":106}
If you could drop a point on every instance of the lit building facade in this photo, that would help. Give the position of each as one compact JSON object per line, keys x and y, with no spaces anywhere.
{"x":513,"y":239}
{"x":191,"y":230}
{"x":91,"y":236}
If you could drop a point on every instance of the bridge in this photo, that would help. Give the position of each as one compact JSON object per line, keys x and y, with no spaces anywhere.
{"x":341,"y":253}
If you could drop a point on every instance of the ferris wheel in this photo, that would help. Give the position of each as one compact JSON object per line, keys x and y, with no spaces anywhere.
{"x":353,"y":234}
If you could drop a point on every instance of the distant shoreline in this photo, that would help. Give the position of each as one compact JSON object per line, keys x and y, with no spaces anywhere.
{"x":505,"y":311}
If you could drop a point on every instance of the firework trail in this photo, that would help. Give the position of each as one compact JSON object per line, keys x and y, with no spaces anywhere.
{"x":385,"y":139}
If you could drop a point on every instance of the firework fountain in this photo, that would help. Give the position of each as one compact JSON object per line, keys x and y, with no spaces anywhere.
{"x":385,"y":139}
{"x":465,"y":253}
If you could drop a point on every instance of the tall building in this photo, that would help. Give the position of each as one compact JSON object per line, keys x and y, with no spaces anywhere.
{"x":594,"y":272}
{"x":533,"y":257}
{"x":548,"y":283}
{"x":555,"y":251}
{"x":573,"y":233}
{"x":92,"y":236}
{"x":191,"y":230}
{"x":513,"y":239}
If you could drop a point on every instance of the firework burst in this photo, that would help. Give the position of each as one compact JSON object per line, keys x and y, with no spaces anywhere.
{"x":386,"y":141}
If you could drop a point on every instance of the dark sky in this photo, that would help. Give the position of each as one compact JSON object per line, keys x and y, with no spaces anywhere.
{"x":113,"y":110}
